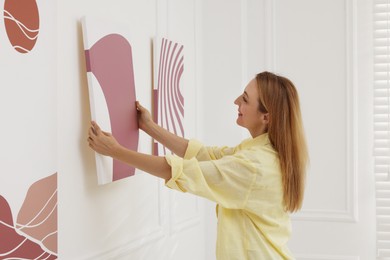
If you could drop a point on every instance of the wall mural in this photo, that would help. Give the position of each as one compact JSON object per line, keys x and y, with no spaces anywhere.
{"x":112,"y":94}
{"x":34,"y":235}
{"x":21,"y":20}
{"x":28,"y":196}
{"x":168,"y":100}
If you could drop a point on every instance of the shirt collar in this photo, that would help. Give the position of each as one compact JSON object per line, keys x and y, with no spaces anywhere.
{"x":260,"y":140}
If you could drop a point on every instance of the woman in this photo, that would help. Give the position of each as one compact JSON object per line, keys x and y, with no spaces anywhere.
{"x":255,"y":184}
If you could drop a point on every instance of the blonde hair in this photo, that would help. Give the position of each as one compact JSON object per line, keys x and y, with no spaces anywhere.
{"x":279,"y":97}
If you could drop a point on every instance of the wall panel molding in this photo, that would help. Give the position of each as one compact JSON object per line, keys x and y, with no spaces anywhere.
{"x":244,"y":52}
{"x":244,"y":41}
{"x":128,"y":247}
{"x":198,"y":67}
{"x":193,"y":218}
{"x":162,"y":18}
{"x":151,"y":236}
{"x":350,"y":214}
{"x":325,"y":257}
{"x":186,"y":223}
{"x":269,"y":22}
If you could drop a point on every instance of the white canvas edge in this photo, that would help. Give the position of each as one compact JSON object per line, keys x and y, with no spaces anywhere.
{"x":100,"y":114}
{"x":102,"y":27}
{"x":156,"y":60}
{"x":104,"y":164}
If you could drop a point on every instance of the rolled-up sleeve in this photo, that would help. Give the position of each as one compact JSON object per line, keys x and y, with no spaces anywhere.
{"x":203,"y":153}
{"x":227,"y":181}
{"x":193,"y":149}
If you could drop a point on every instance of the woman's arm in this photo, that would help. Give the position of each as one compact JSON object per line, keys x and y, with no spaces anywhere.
{"x":176,"y":144}
{"x":104,"y":143}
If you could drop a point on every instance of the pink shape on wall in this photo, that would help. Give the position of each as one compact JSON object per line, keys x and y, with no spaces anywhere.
{"x":37,"y":237}
{"x":168,"y":102}
{"x":110,"y":61}
{"x":37,"y":218}
{"x":21,"y":19}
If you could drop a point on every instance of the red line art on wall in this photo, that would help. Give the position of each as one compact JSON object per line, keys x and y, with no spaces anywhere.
{"x":34,"y":236}
{"x":21,"y":19}
{"x":168,"y":99}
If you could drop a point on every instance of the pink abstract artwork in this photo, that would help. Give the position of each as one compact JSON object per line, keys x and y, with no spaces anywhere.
{"x":34,"y":235}
{"x":168,"y":99}
{"x":112,"y":94}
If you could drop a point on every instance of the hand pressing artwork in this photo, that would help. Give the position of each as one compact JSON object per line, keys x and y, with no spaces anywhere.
{"x":109,"y":63}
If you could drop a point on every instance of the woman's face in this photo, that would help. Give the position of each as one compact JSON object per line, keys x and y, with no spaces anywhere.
{"x":249,"y":115}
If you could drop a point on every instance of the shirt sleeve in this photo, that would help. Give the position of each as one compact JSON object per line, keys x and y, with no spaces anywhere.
{"x":227,"y":181}
{"x":203,"y":153}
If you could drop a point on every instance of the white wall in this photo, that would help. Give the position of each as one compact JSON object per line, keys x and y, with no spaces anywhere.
{"x":134,"y":218}
{"x":232,"y":53}
{"x":329,"y":59}
{"x":323,"y":46}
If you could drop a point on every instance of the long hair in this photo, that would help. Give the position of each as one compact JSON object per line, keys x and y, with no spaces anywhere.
{"x":279,"y":98}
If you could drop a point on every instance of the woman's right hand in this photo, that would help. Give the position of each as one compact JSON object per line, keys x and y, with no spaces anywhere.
{"x":144,"y":117}
{"x":176,"y":144}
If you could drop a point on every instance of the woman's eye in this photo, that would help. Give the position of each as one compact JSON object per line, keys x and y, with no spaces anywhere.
{"x":243,"y":98}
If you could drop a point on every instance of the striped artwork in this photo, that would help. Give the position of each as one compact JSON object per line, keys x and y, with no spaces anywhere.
{"x":168,"y":111}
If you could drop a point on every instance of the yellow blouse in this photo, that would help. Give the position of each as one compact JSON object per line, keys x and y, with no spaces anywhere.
{"x":245,"y":181}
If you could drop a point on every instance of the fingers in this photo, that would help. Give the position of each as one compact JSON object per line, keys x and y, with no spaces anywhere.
{"x":91,"y":135}
{"x":91,"y":143}
{"x":138,"y":105}
{"x":106,"y":133}
{"x":96,"y":128}
{"x":95,"y":135}
{"x":95,"y":131}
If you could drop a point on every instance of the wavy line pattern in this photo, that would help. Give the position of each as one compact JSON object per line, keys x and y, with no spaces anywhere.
{"x":34,"y":235}
{"x":13,"y":249}
{"x":52,"y":199}
{"x":23,"y":28}
{"x":21,"y":49}
{"x":168,"y":98}
{"x":38,"y":216}
{"x":21,"y":19}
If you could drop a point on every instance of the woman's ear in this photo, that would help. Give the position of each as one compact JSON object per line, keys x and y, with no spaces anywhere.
{"x":266,"y":118}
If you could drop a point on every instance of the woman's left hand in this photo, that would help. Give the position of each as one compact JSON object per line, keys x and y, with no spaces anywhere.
{"x":102,"y":142}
